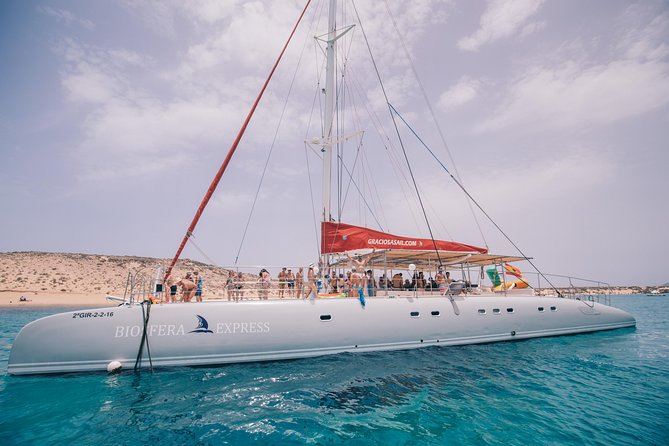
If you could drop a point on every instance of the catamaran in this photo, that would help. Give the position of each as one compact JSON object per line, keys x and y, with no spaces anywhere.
{"x":138,"y":333}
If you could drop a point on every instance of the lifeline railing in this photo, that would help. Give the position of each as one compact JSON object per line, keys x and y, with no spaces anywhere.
{"x":138,"y":288}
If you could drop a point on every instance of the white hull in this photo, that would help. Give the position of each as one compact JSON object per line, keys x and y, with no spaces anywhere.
{"x":286,"y":329}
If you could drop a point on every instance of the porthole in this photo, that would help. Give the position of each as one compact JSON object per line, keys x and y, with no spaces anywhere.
{"x":541,"y":309}
{"x":495,"y":311}
{"x":326,"y":317}
{"x":481,"y":311}
{"x":509,"y":310}
{"x":553,"y":308}
{"x":415,"y":314}
{"x":435,"y":313}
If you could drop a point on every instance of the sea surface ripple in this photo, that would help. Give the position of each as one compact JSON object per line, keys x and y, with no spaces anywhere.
{"x":608,"y":388}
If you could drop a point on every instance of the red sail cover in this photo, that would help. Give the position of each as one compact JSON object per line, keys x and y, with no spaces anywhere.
{"x":340,"y":237}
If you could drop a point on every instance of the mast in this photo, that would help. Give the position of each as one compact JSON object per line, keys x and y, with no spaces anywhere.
{"x":328,"y":125}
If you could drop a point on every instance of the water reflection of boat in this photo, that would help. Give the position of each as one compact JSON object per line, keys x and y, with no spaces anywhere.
{"x":139,"y":334}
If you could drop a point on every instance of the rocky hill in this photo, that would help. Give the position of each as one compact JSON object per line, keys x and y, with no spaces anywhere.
{"x":91,"y":274}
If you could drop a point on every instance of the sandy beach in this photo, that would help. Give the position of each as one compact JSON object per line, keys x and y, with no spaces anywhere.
{"x":12,"y":299}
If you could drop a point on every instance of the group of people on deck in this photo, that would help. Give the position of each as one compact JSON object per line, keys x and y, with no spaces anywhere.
{"x":441,"y":281}
{"x":353,"y":283}
{"x":191,"y":287}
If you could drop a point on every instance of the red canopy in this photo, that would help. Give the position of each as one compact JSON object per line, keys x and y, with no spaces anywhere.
{"x":340,"y":237}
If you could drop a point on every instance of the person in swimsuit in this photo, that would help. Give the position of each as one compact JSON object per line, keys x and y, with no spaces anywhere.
{"x":198,"y":289}
{"x":299,"y":281}
{"x":240,"y":286}
{"x":356,"y":282}
{"x":231,"y":288}
{"x":312,"y":282}
{"x":443,"y":280}
{"x":290,"y":277}
{"x":187,"y":288}
{"x":264,"y":284}
{"x":170,"y":291}
{"x":282,"y":282}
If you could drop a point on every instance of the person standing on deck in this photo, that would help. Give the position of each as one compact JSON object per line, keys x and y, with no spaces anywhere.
{"x":371,"y":284}
{"x":282,"y":282}
{"x":312,"y":281}
{"x":264,"y":282}
{"x":356,"y":282}
{"x":187,"y":288}
{"x":240,"y":286}
{"x":198,"y":289}
{"x":299,"y":283}
{"x":290,"y":277}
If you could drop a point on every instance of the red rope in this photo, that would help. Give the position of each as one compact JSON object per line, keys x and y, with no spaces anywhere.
{"x":221,"y":170}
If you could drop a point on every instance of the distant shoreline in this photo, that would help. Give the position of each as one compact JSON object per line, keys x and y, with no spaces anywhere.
{"x":12,"y":299}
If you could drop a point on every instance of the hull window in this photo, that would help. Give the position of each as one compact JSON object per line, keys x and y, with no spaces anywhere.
{"x":553,"y":308}
{"x":541,"y":309}
{"x":509,"y":310}
{"x":495,"y":311}
{"x":435,"y":313}
{"x":415,"y":314}
{"x":326,"y":317}
{"x":481,"y":311}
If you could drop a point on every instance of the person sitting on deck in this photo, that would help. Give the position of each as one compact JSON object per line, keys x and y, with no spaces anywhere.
{"x":397,"y":281}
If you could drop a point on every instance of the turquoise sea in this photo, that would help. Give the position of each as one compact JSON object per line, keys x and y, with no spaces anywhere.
{"x":609,"y":388}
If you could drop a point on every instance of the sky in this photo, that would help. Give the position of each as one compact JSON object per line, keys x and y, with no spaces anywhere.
{"x":554,"y":115}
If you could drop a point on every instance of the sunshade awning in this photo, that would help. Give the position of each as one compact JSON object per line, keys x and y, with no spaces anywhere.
{"x":402,"y":258}
{"x":395,"y":251}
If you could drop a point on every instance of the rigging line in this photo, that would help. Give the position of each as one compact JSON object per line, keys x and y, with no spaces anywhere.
{"x":399,"y":137}
{"x":391,"y":150}
{"x":233,"y":148}
{"x":308,"y":147}
{"x":271,"y":150}
{"x":357,"y":121}
{"x":352,"y":181}
{"x":313,"y":204}
{"x":341,"y":92}
{"x":192,"y":242}
{"x":434,"y":118}
{"x":387,"y":145}
{"x":372,"y":186}
{"x":474,"y":201}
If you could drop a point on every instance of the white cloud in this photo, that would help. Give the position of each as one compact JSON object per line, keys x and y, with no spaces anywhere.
{"x":502,"y":18}
{"x":459,"y":94}
{"x":92,"y":75}
{"x":65,"y":16}
{"x":644,"y":42}
{"x":210,"y":11}
{"x":573,"y":96}
{"x":579,"y":93}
